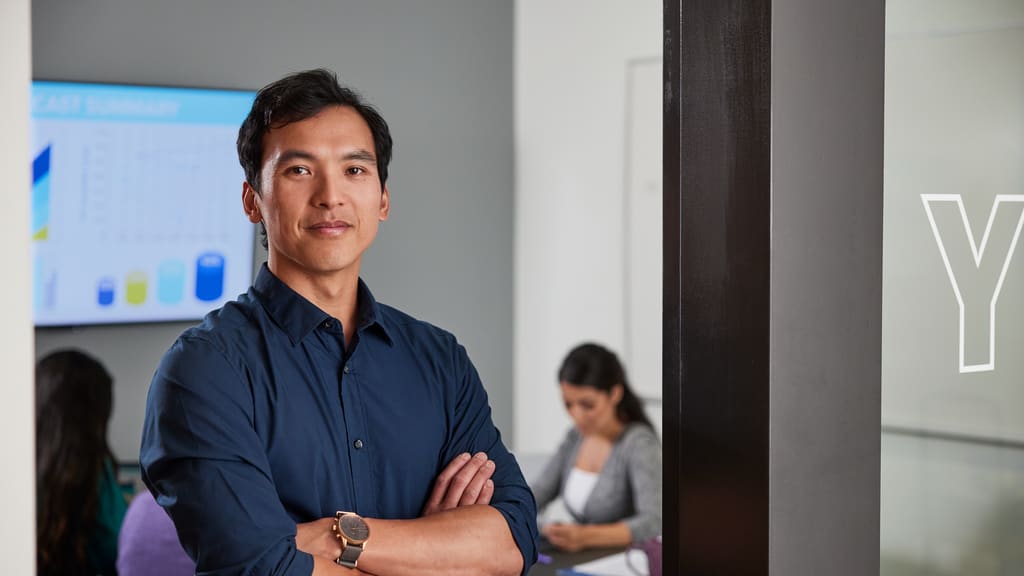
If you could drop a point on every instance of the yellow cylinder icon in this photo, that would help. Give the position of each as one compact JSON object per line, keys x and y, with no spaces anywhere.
{"x":135,"y":287}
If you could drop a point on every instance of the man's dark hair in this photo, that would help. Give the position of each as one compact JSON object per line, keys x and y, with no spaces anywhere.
{"x":297,"y":97}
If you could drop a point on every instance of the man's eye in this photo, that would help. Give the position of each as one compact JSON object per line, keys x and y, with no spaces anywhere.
{"x":298,"y":170}
{"x":356,"y":170}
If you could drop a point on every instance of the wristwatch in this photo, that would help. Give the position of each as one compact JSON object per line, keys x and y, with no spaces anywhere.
{"x":353,"y":532}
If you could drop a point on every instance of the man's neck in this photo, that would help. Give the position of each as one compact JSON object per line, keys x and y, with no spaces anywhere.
{"x":336,"y":293}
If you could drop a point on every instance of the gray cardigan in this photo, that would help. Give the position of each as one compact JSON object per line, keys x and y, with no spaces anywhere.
{"x":628,"y":488}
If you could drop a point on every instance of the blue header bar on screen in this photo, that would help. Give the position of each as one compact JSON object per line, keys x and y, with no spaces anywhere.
{"x":113,"y":102}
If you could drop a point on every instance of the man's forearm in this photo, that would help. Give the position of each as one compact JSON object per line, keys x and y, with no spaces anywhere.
{"x":467,"y":540}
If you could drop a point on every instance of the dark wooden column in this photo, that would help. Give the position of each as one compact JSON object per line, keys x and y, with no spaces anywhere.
{"x":717,"y":211}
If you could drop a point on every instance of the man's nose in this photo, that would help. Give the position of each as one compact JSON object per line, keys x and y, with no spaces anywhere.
{"x":330,"y":191}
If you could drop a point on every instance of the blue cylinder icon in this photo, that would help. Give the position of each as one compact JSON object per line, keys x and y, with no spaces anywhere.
{"x":209,"y":276}
{"x":105,"y":291}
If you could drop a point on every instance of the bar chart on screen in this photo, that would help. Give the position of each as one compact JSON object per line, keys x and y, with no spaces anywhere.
{"x":136,"y":214}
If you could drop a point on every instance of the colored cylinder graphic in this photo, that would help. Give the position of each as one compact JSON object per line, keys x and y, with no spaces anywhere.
{"x":135,"y":287}
{"x":105,"y":290}
{"x":41,"y":195}
{"x":170,"y":282}
{"x":209,"y":276}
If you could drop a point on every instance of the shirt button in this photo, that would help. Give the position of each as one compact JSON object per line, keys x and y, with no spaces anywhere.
{"x":358,"y":444}
{"x":327,"y":324}
{"x":345,"y":370}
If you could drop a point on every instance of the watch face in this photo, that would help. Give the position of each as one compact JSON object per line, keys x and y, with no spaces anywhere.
{"x":354,"y":529}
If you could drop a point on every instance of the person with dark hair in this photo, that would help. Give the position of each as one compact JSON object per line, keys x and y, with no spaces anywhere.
{"x":305,"y":427}
{"x":80,"y":505}
{"x":608,"y":468}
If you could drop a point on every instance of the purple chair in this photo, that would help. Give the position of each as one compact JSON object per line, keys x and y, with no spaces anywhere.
{"x":148,"y":544}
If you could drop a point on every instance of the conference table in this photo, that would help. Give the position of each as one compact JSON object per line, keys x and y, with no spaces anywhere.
{"x":565,"y":560}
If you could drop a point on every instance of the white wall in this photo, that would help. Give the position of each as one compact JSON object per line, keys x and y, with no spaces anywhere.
{"x":573,"y":64}
{"x":17,"y":483}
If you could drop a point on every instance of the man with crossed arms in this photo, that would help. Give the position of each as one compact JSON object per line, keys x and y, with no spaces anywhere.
{"x":305,"y":428}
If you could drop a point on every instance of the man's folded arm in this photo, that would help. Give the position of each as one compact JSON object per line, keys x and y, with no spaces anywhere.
{"x":474,"y":431}
{"x":470,"y":540}
{"x":204,"y":463}
{"x":439,"y":543}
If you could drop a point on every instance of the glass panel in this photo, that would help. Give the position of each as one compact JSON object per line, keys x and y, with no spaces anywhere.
{"x":952,"y":482}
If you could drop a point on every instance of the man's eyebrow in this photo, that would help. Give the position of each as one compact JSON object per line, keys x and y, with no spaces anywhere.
{"x":362,"y":155}
{"x":293,"y":154}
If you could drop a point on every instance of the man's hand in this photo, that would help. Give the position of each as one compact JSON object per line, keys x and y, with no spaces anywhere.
{"x":318,"y":539}
{"x":463,"y":482}
{"x":568,"y":537}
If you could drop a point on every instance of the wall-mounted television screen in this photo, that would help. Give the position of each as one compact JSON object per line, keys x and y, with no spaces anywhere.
{"x":136,"y":203}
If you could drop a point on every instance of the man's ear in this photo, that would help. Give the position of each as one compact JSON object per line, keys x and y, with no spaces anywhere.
{"x":385,"y":204}
{"x":250,"y":202}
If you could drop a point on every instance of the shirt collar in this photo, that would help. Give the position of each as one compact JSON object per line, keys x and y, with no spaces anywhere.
{"x":297,"y":316}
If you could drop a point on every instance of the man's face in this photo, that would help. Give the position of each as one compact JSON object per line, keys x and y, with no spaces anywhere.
{"x":321,"y":198}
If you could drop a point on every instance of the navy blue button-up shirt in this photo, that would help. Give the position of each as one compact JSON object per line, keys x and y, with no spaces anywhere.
{"x":257,"y":419}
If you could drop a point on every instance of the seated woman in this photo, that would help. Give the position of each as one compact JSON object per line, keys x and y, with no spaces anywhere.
{"x":608,"y":468}
{"x":80,"y":505}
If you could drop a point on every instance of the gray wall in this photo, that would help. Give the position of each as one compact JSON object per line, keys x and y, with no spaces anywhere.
{"x":826,"y":286}
{"x":440,"y":72}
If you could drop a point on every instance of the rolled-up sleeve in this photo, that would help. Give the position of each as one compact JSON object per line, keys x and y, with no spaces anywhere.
{"x":204,"y":461}
{"x":473,"y":430}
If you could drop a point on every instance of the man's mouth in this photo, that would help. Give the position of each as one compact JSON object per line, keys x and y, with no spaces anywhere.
{"x":330,"y":227}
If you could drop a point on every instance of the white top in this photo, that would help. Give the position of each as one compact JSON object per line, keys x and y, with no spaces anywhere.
{"x":578,"y":487}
